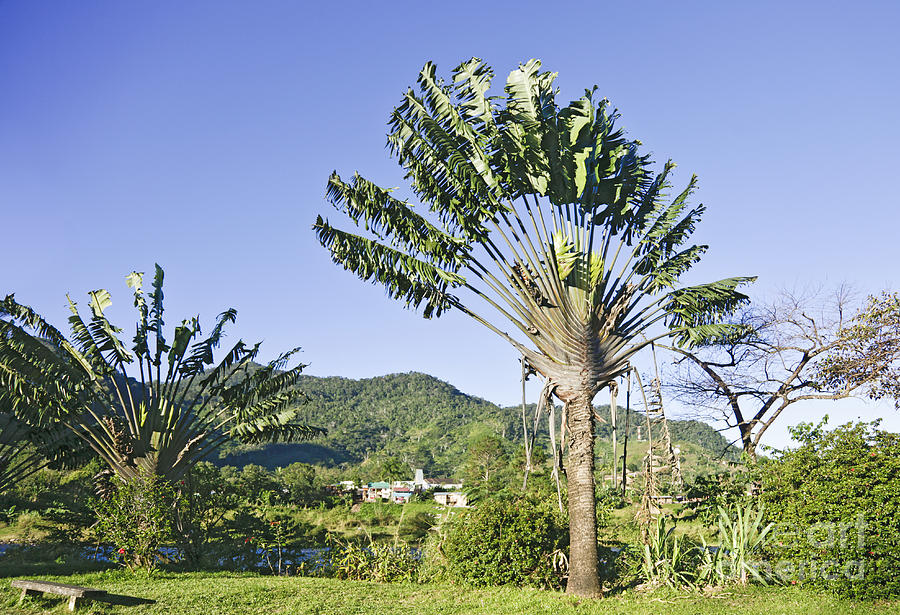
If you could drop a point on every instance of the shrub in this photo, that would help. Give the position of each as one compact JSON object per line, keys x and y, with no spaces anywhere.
{"x":608,"y":498}
{"x":669,"y":559}
{"x":714,"y":491}
{"x":136,"y":519}
{"x":270,"y":537}
{"x":836,"y":512}
{"x":204,"y":500}
{"x":625,"y":565}
{"x":508,"y":541}
{"x":742,"y":540}
{"x":385,"y":562}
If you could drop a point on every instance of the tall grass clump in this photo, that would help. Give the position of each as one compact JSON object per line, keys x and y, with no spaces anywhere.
{"x":669,"y":559}
{"x":739,"y":557}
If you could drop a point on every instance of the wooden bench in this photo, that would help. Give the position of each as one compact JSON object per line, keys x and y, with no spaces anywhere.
{"x":75,"y":593}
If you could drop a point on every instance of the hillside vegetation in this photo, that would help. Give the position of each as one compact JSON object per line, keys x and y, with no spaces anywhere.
{"x":428,"y":423}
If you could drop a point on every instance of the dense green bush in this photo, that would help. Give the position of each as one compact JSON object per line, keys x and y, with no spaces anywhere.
{"x":506,"y":541}
{"x":708,"y":493}
{"x":608,"y":498}
{"x":834,"y":501}
{"x":136,"y":520}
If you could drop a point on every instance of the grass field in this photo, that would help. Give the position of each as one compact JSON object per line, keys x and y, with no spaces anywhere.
{"x":245,"y":594}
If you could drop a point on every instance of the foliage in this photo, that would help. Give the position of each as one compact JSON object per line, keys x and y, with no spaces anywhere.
{"x":486,"y":468}
{"x":869,"y":353}
{"x":63,"y":499}
{"x":28,"y":442}
{"x":382,"y":562}
{"x":205,"y":499}
{"x":834,"y":502}
{"x":184,"y":405}
{"x":301,"y":485}
{"x":417,"y":419}
{"x":742,"y":540}
{"x":420,"y":420}
{"x":137,"y":520}
{"x":669,"y":559}
{"x":273,"y":542}
{"x":506,"y":541}
{"x":705,"y":436}
{"x":715,"y":491}
{"x":625,"y":565}
{"x":609,"y":498}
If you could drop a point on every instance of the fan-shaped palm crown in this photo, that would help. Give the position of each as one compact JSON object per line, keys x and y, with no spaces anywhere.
{"x":178,"y":408}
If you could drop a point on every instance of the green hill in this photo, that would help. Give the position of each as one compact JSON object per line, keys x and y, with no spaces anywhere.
{"x":417,"y":418}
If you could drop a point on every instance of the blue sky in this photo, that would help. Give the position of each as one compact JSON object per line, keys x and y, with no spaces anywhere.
{"x":199,"y":135}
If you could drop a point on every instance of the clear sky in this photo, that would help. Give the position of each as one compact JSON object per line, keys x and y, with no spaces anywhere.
{"x":200,"y":135}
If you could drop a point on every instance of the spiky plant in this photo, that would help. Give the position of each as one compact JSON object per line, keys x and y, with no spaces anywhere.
{"x":157,"y":408}
{"x":552,"y":218}
{"x":668,"y":559}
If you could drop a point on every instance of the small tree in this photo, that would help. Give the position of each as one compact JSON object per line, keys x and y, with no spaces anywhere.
{"x":798,"y":348}
{"x":181,"y":409}
{"x":486,"y":464}
{"x":136,"y":520}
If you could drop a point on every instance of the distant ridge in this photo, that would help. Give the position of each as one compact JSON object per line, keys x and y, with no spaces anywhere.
{"x":415,"y":417}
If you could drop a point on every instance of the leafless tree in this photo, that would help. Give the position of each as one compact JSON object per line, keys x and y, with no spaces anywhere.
{"x":751,"y":381}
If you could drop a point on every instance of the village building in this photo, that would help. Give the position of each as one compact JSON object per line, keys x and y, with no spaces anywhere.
{"x":452,"y":499}
{"x":446,"y":490}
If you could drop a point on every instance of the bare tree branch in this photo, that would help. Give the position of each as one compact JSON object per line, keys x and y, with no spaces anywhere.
{"x":800,"y":350}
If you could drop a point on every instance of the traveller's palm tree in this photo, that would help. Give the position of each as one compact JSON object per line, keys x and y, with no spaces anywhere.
{"x":176,"y":406}
{"x":551,"y":217}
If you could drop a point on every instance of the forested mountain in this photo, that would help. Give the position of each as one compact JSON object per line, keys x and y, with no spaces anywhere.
{"x":418,"y":419}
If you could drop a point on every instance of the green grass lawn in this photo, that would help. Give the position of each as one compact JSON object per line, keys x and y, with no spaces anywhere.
{"x":224,"y":594}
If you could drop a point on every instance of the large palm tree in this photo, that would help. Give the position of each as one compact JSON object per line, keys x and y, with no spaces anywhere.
{"x":176,"y":405}
{"x":551,"y":217}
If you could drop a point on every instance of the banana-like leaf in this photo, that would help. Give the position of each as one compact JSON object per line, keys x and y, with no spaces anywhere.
{"x":202,"y":351}
{"x":698,"y":312}
{"x":548,"y":213}
{"x":162,"y":427}
{"x":361,"y":199}
{"x":156,"y":316}
{"x":405,"y":277}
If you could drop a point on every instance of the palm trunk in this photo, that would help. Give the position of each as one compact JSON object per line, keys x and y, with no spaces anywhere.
{"x":583,"y":562}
